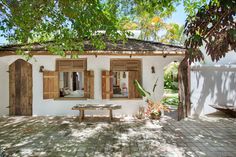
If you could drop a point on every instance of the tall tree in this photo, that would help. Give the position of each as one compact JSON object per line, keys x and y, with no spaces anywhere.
{"x":174,"y":34}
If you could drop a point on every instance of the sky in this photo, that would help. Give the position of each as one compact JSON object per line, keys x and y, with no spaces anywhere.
{"x":178,"y":17}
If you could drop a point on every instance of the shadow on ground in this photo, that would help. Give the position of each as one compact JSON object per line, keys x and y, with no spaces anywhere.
{"x":65,"y":136}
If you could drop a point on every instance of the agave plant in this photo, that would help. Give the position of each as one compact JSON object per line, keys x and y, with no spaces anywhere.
{"x":154,"y":107}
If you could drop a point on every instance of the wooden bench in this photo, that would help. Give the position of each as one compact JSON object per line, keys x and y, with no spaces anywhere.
{"x":229,"y":110}
{"x":83,"y":107}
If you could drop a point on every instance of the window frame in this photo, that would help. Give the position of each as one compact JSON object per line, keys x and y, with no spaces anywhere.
{"x":125,"y":65}
{"x":59,"y":70}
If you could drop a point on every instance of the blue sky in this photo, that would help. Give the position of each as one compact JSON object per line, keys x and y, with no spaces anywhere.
{"x":178,"y":17}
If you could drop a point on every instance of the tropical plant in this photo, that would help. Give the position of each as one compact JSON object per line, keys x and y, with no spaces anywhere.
{"x":154,"y":107}
{"x":174,"y":34}
{"x":172,"y":100}
{"x":171,"y":76}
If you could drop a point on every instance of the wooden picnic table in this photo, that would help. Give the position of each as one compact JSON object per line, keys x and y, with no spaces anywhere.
{"x":83,"y":107}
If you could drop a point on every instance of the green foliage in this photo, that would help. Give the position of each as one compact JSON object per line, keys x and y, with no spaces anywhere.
{"x":171,"y":76}
{"x":174,"y":34}
{"x":68,"y":23}
{"x":212,"y":26}
{"x":171,"y":100}
{"x":141,"y":90}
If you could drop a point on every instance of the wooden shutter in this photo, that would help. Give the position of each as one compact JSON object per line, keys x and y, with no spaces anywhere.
{"x":89,"y":84}
{"x":125,"y":65}
{"x":70,"y":65}
{"x":107,"y":88}
{"x":50,"y":85}
{"x":134,"y":75}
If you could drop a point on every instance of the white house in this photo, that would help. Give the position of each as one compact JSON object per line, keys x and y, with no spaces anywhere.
{"x":56,"y":84}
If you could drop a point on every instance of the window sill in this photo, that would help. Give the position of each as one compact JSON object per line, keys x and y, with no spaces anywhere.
{"x":64,"y":98}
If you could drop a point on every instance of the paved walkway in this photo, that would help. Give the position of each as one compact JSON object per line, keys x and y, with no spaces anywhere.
{"x":64,"y":136}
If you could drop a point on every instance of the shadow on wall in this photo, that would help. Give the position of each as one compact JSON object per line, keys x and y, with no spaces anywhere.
{"x":212,"y":86}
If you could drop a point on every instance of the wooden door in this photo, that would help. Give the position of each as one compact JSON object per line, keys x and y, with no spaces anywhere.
{"x":184,"y":89}
{"x":20,"y":88}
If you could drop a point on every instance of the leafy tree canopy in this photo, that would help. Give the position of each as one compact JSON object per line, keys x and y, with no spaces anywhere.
{"x":69,"y":22}
{"x":63,"y":21}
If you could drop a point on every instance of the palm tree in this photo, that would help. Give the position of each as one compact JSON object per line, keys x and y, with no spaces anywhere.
{"x":174,"y":34}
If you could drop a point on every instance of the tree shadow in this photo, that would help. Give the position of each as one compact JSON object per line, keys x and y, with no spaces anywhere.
{"x":215,"y":86}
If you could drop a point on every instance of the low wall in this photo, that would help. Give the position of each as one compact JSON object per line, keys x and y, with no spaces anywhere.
{"x":212,"y":85}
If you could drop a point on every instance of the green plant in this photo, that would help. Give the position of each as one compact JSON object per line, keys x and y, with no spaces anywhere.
{"x":154,"y":107}
{"x":171,"y":76}
{"x":171,"y":100}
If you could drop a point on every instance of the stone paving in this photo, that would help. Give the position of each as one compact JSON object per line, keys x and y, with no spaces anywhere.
{"x":65,"y":136}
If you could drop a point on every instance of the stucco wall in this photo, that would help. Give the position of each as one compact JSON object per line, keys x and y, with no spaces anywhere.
{"x":212,"y":84}
{"x":63,"y":107}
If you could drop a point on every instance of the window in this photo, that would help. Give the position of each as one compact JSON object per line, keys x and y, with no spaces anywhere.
{"x":71,"y":84}
{"x":118,"y":83}
{"x":70,"y":80}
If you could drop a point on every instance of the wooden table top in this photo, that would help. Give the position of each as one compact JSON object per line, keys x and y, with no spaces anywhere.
{"x":96,"y":106}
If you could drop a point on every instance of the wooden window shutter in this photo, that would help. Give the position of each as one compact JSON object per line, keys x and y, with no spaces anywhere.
{"x":107,"y":89}
{"x":66,"y":65}
{"x":134,"y":75}
{"x":50,"y":85}
{"x":89,"y":84}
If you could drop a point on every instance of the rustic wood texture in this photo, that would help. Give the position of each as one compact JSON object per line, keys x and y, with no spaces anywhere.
{"x":50,"y":85}
{"x":133,"y":93}
{"x":20,"y":88}
{"x":83,"y":107}
{"x":184,"y":89}
{"x":89,"y":84}
{"x":134,"y":68}
{"x":125,"y":64}
{"x":71,"y":65}
{"x":107,"y":88}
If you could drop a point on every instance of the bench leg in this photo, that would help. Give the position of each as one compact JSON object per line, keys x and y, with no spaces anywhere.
{"x":111,"y":115}
{"x":81,"y":115}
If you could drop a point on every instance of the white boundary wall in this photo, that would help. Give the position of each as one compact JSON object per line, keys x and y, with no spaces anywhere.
{"x":213,"y":83}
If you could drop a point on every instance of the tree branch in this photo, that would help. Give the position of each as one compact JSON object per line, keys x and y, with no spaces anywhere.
{"x":217,"y":23}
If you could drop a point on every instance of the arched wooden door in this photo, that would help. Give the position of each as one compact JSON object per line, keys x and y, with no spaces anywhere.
{"x":20,"y":88}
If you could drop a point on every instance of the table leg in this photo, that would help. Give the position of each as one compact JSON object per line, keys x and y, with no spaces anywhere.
{"x":111,"y":115}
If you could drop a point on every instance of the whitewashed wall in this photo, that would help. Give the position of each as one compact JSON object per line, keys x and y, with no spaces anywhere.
{"x":63,"y":107}
{"x":213,"y":83}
